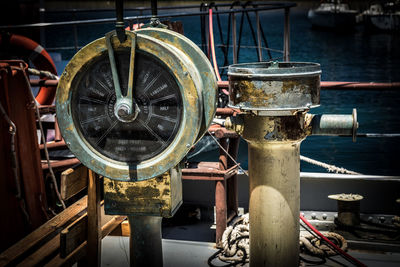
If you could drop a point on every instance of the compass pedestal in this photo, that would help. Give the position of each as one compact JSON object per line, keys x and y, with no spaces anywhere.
{"x":146,"y":203}
{"x":145,"y":241}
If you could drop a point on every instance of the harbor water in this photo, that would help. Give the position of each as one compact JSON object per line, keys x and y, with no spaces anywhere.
{"x":351,"y":56}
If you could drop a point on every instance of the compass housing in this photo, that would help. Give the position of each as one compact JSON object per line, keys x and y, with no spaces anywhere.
{"x":171,"y":103}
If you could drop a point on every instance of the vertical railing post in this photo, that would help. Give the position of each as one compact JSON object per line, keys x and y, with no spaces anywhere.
{"x":286,"y":40}
{"x":259,"y":37}
{"x":234,"y":42}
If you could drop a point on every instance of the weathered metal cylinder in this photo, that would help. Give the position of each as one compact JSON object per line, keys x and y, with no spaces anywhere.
{"x":274,"y":170}
{"x":274,"y":204}
{"x":348,"y":208}
{"x":276,"y":89}
{"x":273,"y":98}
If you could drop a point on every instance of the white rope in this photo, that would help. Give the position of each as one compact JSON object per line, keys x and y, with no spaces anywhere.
{"x":43,"y":73}
{"x":235,"y":241}
{"x":330,"y":168}
{"x":46,"y":152}
{"x":236,"y":245}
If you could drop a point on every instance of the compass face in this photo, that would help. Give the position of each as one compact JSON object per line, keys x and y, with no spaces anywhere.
{"x":155,"y":92}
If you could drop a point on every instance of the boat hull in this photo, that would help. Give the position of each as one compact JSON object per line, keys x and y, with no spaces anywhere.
{"x":332,"y":20}
{"x":382,"y":22}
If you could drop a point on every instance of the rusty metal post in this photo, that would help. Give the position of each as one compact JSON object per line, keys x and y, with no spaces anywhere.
{"x":232,"y":187}
{"x":145,"y":241}
{"x":220,"y":195}
{"x":57,"y":134}
{"x":273,"y":99}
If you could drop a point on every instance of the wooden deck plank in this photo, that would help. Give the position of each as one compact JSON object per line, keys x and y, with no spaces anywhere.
{"x":73,"y":181}
{"x":10,"y":255}
{"x":80,"y":252}
{"x":42,"y":253}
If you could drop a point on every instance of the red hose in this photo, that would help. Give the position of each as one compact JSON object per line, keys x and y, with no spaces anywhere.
{"x":339,"y":250}
{"x":211,"y":33}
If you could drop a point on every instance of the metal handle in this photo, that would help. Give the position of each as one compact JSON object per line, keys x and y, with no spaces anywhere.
{"x":335,"y":124}
{"x":125,"y":109}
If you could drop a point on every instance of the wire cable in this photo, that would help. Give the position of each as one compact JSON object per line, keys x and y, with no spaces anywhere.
{"x":339,"y":250}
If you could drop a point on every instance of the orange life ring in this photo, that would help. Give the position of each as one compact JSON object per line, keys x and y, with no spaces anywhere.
{"x":29,"y":50}
{"x":134,"y":27}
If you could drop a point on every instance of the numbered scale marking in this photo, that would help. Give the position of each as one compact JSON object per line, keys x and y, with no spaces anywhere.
{"x":156,"y":93}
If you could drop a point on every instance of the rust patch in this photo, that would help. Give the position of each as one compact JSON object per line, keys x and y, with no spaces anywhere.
{"x":290,"y":128}
{"x":70,"y":127}
{"x":245,"y":91}
{"x":147,"y":191}
{"x":288,"y":86}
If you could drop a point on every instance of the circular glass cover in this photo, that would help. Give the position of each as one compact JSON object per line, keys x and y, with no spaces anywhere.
{"x":155,"y":92}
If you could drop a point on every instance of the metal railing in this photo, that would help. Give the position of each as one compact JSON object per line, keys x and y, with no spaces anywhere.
{"x":229,"y":8}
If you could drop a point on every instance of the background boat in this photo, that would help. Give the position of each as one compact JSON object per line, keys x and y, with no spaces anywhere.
{"x":333,"y":15}
{"x":382,"y":17}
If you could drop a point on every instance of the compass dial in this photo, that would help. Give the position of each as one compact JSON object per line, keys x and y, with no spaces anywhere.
{"x":156,"y":94}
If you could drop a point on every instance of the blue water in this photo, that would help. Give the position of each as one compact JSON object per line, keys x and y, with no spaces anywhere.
{"x":354,"y":56}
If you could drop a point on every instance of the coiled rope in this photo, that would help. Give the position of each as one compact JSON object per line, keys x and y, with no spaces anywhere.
{"x":312,"y":245}
{"x":236,"y":246}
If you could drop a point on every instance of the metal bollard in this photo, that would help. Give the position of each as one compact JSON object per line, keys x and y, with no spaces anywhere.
{"x":274,"y":99}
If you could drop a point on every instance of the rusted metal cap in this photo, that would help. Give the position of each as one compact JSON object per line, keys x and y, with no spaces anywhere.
{"x":272,"y":88}
{"x":346,"y":197}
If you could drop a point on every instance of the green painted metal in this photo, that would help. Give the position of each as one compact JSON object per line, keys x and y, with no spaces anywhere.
{"x":335,"y":124}
{"x":209,"y":89}
{"x":197,"y":85}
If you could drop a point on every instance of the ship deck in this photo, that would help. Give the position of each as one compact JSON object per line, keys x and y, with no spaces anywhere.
{"x":191,"y":245}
